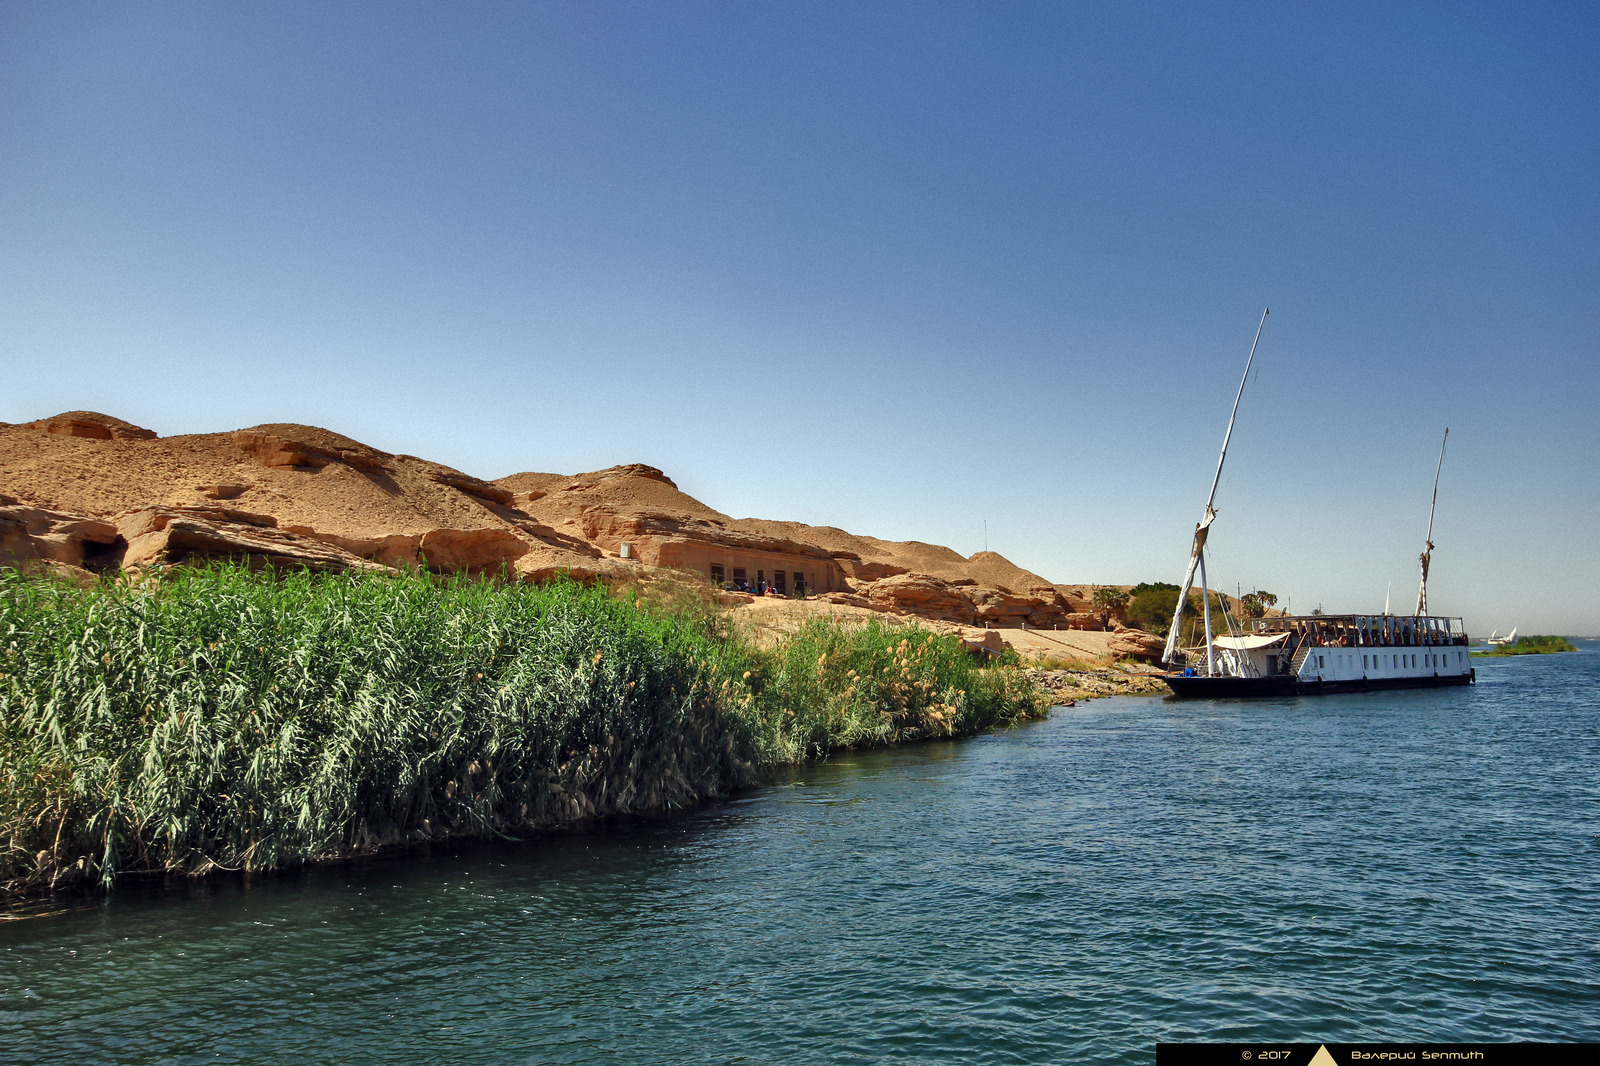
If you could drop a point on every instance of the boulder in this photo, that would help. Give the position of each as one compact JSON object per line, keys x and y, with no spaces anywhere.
{"x":922,"y":595}
{"x":545,"y":563}
{"x":1136,"y":644}
{"x":222,"y":492}
{"x":989,"y":643}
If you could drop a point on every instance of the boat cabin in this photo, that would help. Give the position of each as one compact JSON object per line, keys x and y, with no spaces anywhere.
{"x":1320,"y":646}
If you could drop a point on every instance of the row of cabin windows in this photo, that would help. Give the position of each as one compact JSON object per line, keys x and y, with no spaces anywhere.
{"x":1407,"y":661}
{"x":741,"y":579}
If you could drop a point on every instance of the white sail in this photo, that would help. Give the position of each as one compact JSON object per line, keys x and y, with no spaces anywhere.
{"x":1202,"y":529}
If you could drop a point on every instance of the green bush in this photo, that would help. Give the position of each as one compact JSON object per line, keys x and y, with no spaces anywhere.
{"x":1151,"y":610}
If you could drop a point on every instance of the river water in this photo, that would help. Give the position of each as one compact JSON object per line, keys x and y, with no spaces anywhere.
{"x":1395,"y":866}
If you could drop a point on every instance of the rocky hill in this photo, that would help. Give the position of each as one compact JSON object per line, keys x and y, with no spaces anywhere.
{"x":83,"y":491}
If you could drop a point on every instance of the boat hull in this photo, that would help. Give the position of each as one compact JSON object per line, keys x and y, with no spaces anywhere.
{"x":1200,"y":686}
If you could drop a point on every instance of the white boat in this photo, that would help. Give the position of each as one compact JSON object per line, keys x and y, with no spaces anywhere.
{"x":1496,"y":639}
{"x":1290,"y":655}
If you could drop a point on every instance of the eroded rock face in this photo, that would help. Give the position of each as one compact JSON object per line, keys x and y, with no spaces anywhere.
{"x":472,"y":551}
{"x":92,"y":425}
{"x":32,"y":534}
{"x":173,"y":535}
{"x":999,"y":606}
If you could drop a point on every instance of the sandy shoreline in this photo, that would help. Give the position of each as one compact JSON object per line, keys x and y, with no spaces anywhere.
{"x":1044,"y":652}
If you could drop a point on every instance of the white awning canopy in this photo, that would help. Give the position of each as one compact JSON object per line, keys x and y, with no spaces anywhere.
{"x":1250,"y":641}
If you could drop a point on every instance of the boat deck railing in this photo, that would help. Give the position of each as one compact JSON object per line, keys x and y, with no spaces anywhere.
{"x":1366,"y":630}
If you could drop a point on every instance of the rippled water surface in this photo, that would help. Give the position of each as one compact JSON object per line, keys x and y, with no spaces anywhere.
{"x":1387,"y":866}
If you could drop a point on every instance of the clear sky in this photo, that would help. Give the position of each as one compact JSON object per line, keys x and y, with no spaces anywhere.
{"x":902,"y":268}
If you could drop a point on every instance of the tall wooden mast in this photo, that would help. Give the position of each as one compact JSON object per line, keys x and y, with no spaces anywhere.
{"x":1427,"y":549}
{"x":1202,"y":529}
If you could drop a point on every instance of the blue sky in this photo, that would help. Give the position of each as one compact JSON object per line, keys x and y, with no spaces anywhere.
{"x":903,"y":268}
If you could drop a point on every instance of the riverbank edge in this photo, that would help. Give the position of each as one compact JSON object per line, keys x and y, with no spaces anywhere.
{"x":38,"y":902}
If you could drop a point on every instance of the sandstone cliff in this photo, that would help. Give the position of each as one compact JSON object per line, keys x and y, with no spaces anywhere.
{"x":87,"y":492}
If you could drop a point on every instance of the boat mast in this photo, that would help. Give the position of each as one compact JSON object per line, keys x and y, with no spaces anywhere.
{"x":1202,"y":529}
{"x":1427,"y":551}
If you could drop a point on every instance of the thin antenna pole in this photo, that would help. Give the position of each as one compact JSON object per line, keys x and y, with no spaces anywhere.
{"x":1427,"y":551}
{"x":1201,"y":530}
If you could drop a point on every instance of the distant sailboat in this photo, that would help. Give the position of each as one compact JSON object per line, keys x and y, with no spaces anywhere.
{"x":1496,"y":639}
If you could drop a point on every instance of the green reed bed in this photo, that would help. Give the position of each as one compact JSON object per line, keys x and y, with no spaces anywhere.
{"x":834,"y":685}
{"x":224,"y":719}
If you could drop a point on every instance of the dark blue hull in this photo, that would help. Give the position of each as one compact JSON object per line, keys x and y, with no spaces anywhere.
{"x":1235,"y":687}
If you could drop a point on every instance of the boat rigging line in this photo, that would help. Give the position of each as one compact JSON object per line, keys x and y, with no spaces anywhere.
{"x":1197,"y":552}
{"x":1427,"y":551}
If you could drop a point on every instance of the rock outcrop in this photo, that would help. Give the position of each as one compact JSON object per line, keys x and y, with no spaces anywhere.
{"x":923,"y":595}
{"x":92,"y":425}
{"x":173,"y":535}
{"x":32,"y":535}
{"x":308,"y":448}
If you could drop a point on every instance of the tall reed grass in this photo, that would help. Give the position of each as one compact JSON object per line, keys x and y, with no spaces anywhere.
{"x":219,"y":718}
